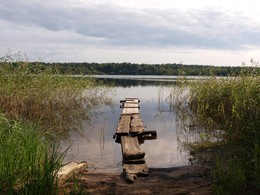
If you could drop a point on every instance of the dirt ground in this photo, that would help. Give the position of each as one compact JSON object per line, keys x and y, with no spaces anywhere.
{"x":178,"y":180}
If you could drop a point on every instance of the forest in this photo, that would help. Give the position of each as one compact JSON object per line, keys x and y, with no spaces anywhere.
{"x":125,"y":68}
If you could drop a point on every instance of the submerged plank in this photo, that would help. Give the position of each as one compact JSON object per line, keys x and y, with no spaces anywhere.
{"x":131,"y":148}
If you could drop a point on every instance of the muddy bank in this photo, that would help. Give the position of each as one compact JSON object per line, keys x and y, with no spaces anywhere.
{"x":191,"y":179}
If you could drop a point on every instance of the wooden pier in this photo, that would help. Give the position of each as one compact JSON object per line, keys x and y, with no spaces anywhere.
{"x":130,"y":134}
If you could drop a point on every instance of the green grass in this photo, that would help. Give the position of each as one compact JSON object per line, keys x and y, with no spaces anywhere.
{"x":28,"y":161}
{"x":232,"y":181}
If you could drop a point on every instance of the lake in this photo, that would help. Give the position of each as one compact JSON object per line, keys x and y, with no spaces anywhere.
{"x":95,"y":143}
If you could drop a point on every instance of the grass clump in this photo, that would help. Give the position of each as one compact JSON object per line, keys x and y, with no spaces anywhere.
{"x":28,"y":162}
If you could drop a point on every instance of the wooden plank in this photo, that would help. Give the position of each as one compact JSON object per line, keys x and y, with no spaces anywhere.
{"x":131,"y":148}
{"x":130,"y":105}
{"x":136,"y":124}
{"x":133,"y":170}
{"x":133,"y":100}
{"x":136,"y":168}
{"x":130,"y":110}
{"x":123,"y":126}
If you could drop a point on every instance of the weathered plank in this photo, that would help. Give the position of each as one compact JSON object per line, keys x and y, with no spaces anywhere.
{"x":132,"y":171}
{"x":123,"y":126}
{"x":136,"y":124}
{"x":131,"y":148}
{"x":130,"y":110}
{"x":132,"y":99}
{"x":136,"y":168}
{"x":130,"y":105}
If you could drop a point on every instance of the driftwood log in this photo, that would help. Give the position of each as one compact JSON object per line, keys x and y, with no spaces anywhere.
{"x":69,"y":170}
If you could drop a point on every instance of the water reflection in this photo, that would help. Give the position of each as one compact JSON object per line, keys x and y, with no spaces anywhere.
{"x":132,"y":82}
{"x":97,"y":146}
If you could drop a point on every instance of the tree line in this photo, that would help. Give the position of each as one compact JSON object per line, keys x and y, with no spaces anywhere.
{"x":125,"y":68}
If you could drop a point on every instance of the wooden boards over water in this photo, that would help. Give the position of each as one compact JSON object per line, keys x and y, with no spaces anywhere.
{"x":130,"y":134}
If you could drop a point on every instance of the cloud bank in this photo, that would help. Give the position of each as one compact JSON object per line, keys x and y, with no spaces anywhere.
{"x":63,"y":25}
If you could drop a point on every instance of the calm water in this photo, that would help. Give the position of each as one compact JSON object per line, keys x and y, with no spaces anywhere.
{"x":95,"y":144}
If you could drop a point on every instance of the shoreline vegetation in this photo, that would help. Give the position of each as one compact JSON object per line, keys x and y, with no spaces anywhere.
{"x":54,"y":102}
{"x":229,"y":110}
{"x":37,"y":104}
{"x":37,"y":107}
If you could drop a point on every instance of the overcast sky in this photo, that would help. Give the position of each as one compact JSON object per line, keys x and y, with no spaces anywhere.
{"x":220,"y":32}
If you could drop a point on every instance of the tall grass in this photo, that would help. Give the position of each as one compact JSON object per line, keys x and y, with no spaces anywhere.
{"x":233,"y":106}
{"x":47,"y":101}
{"x":55,"y":102}
{"x":227,"y":109}
{"x":28,"y":162}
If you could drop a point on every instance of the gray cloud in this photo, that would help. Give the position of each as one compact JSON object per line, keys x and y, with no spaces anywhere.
{"x":148,"y":27}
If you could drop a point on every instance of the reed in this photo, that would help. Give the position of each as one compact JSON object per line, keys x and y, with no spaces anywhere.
{"x":232,"y":105}
{"x":56,"y":103}
{"x":28,"y":161}
{"x":223,"y":115}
